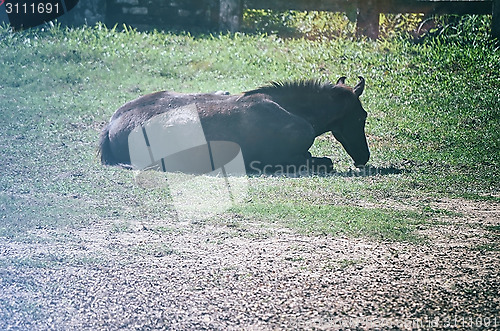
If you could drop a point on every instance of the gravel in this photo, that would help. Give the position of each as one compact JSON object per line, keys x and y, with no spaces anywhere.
{"x":243,"y":275}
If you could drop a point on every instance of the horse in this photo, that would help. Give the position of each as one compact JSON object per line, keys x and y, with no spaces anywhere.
{"x":274,"y":125}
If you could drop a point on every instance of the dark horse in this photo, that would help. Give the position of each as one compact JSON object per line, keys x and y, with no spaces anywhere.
{"x":273,"y":125}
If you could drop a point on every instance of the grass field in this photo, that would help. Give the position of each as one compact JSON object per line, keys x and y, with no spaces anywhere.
{"x":433,"y":116}
{"x":433,"y":131}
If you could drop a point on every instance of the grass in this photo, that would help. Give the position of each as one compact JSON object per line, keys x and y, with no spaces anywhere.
{"x":377,"y":223}
{"x":433,"y":116}
{"x":490,"y":247}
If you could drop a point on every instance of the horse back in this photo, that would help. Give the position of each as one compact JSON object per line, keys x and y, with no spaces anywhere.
{"x":258,"y":124}
{"x":147,"y":106}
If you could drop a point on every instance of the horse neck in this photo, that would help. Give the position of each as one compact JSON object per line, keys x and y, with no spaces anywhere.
{"x":311,"y":107}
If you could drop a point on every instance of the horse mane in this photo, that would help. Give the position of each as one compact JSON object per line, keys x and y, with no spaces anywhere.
{"x":281,"y":87}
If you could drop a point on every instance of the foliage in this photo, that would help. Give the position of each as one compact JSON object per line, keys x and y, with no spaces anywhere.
{"x":311,"y":25}
{"x":471,"y":29}
{"x":322,"y":25}
{"x":400,"y":25}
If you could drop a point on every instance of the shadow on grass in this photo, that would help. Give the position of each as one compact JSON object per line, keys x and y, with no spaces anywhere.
{"x":369,"y":171}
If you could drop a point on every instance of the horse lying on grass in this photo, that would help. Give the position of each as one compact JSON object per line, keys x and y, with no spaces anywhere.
{"x":273,"y":125}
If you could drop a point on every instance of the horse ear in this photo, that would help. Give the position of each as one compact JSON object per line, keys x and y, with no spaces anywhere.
{"x":341,"y":80}
{"x":359,"y":88}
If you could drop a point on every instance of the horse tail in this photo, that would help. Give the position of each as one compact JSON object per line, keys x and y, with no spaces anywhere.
{"x":104,"y":150}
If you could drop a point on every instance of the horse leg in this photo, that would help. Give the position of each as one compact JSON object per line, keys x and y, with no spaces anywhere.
{"x":282,"y":142}
{"x":320,"y":164}
{"x":295,"y":160}
{"x":308,"y":163}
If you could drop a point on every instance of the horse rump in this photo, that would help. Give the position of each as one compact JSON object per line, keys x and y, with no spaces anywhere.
{"x":104,"y":150}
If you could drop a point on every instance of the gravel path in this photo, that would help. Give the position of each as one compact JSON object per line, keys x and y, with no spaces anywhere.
{"x":236,"y":275}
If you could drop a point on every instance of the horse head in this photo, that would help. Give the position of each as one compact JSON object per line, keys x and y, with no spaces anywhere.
{"x":349,"y":127}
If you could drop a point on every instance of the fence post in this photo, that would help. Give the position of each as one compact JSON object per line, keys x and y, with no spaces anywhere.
{"x":230,"y":15}
{"x":495,"y":23}
{"x":367,"y":23}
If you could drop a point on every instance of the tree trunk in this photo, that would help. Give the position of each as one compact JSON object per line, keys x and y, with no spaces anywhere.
{"x":367,"y":23}
{"x":231,"y":13}
{"x":495,"y":24}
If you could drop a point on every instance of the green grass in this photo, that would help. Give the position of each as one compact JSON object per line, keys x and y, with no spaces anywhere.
{"x":490,"y":247}
{"x":378,"y":223}
{"x":433,"y":116}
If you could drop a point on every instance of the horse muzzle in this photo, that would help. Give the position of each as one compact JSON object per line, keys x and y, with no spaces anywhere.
{"x":357,"y":150}
{"x":361,"y":162}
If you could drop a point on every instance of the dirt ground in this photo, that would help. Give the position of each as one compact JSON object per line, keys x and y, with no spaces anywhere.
{"x":238,"y":275}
